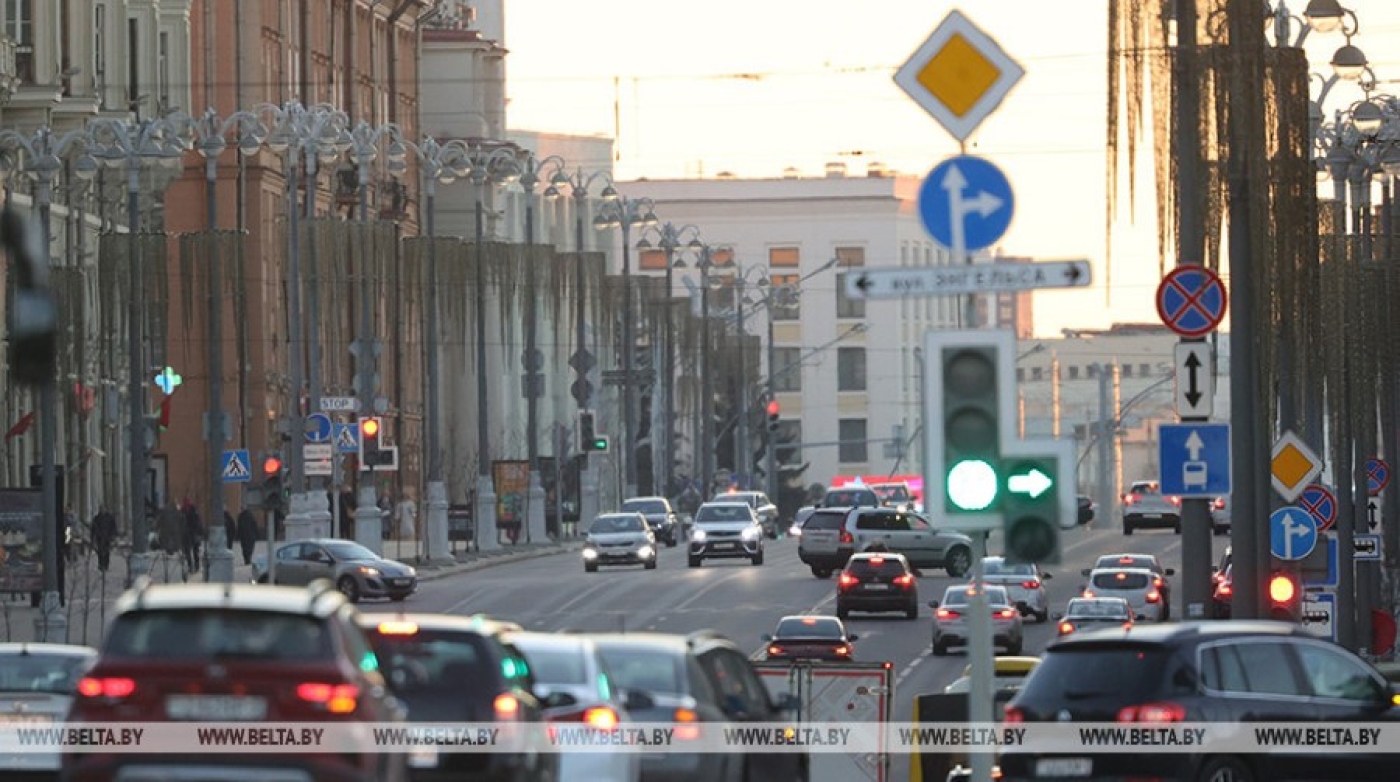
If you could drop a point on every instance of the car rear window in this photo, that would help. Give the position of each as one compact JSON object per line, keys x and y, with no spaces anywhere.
{"x":850,"y":499}
{"x":430,"y":660}
{"x":645,"y":506}
{"x":40,"y":672}
{"x":1097,"y":609}
{"x":957,"y":596}
{"x":555,"y":666}
{"x":219,"y":633}
{"x":808,"y":627}
{"x":649,"y":670}
{"x":824,"y":521}
{"x":868,"y":567}
{"x":1120,"y":580}
{"x":999,"y":568}
{"x":1078,"y":673}
{"x":1108,"y":562}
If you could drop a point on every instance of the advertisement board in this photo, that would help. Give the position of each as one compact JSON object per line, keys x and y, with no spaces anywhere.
{"x":21,"y":540}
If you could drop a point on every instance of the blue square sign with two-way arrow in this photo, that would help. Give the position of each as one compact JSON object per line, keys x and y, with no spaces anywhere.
{"x":1195,"y":459}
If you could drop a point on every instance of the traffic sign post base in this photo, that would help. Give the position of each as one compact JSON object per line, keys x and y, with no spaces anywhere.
{"x":369,"y":524}
{"x":534,"y":510}
{"x":436,"y":510}
{"x":299,"y":525}
{"x":220,"y":555}
{"x":488,"y":538}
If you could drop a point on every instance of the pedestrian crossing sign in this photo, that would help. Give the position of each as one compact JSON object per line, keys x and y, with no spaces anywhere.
{"x":347,"y":438}
{"x":235,"y":467}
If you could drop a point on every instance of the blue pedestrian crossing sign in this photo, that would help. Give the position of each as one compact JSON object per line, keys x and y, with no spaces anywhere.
{"x":1292,"y":533}
{"x":235,"y":466}
{"x":347,"y":438}
{"x":1195,"y":459}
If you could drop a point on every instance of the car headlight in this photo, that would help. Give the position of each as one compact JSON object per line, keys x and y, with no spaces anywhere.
{"x":409,"y":571}
{"x":698,"y":535}
{"x":646,"y":552}
{"x":751,"y":533}
{"x":369,"y":571}
{"x":590,"y":553}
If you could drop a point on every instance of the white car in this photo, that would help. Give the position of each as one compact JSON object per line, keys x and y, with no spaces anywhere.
{"x":37,"y":682}
{"x":1149,"y":561}
{"x":1136,"y":585}
{"x":1025,"y":584}
{"x":950,"y":620}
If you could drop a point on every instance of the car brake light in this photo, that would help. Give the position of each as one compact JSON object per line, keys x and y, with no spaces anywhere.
{"x":398,"y":628}
{"x":1128,"y":625}
{"x":1219,"y":503}
{"x":775,"y":650}
{"x":944,"y":613}
{"x":335,"y":698}
{"x":847,"y":537}
{"x":877,"y":561}
{"x":1130,"y":499}
{"x":1224,"y":589}
{"x":686,"y":728}
{"x":109,"y":687}
{"x":1157,"y":581}
{"x":600,"y":717}
{"x":847,"y":580}
{"x":1087,"y":593}
{"x":1154,"y":596}
{"x":1013,"y":715}
{"x":842,"y":651}
{"x":1174,"y":500}
{"x":1030,"y":584}
{"x":1066,"y":628}
{"x":506,"y":706}
{"x":1161,"y":711}
{"x":905,"y":580}
{"x":1005,"y":613}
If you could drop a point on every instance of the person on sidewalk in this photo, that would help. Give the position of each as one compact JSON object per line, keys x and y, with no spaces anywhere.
{"x":230,"y":529}
{"x":193,"y":535}
{"x":247,"y":534}
{"x":170,"y":530}
{"x":104,"y":534}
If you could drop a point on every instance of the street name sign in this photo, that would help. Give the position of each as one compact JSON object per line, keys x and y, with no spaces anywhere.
{"x":1194,"y":459}
{"x":1195,"y":382}
{"x":1292,"y":533}
{"x":1292,"y":466}
{"x":959,"y":75}
{"x":899,"y":282}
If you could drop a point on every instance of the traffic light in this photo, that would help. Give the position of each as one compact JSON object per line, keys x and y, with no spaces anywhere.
{"x":272,"y":482}
{"x":774,"y":409}
{"x":1285,"y":596}
{"x":1031,"y":510}
{"x":372,"y":450}
{"x":589,"y":441}
{"x":971,"y":438}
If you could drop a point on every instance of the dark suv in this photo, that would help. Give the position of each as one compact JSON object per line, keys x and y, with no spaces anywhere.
{"x":458,"y":669}
{"x":1229,"y":671}
{"x":698,"y":678}
{"x":877,"y":582}
{"x":234,"y":653}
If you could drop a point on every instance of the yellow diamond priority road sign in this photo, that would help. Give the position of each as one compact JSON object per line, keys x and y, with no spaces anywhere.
{"x":959,"y":75}
{"x":1293,"y":466}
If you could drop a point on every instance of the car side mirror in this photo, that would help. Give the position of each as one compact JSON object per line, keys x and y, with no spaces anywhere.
{"x":638,"y":700}
{"x":933,"y":604}
{"x":1046,"y":576}
{"x":1084,"y":572}
{"x":557,"y":700}
{"x":1171,"y":571}
{"x":852,"y":637}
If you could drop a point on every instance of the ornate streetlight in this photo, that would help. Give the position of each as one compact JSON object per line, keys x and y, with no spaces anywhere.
{"x":622,"y":212}
{"x":42,"y":154}
{"x":119,"y":143}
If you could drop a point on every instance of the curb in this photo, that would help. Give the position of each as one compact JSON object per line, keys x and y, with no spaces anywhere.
{"x":492,"y":561}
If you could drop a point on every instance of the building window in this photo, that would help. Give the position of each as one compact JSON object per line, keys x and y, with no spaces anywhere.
{"x":1074,"y":373}
{"x":850,"y":369}
{"x":1092,"y":370}
{"x":99,"y":46}
{"x":1127,"y":370}
{"x":1020,"y":373}
{"x":784,"y":257}
{"x":163,"y":70}
{"x":784,"y":307}
{"x":1144,"y":370}
{"x":786,"y":373}
{"x":847,"y":307}
{"x":1037,"y":373}
{"x":652,"y":259}
{"x":19,"y":27}
{"x":133,"y":63}
{"x":853,"y":448}
{"x":789,"y":442}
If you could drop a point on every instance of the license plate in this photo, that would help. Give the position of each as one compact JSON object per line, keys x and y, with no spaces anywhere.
{"x":233,"y":708}
{"x":719,"y":546}
{"x":403,"y":582}
{"x":1064,"y":767}
{"x":1152,"y":515}
{"x":423,"y":757}
{"x":876,"y":587}
{"x":27,"y":719}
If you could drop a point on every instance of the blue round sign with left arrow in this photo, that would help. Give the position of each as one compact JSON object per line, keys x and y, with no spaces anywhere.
{"x":966,"y":203}
{"x":318,"y":428}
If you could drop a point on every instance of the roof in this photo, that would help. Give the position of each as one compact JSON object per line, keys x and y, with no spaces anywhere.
{"x":571,"y":643}
{"x":672,"y":642}
{"x":318,"y":600}
{"x":479,"y":623}
{"x":15,"y":648}
{"x":1194,"y":632}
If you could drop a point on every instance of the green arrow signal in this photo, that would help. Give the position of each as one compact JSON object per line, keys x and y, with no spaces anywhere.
{"x":1034,"y":483}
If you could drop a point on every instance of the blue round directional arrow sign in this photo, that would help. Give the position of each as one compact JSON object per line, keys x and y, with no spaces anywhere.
{"x":1292,"y":533}
{"x":966,"y":203}
{"x":318,"y":428}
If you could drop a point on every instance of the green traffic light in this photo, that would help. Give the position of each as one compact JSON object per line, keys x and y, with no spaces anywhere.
{"x":600,"y":444}
{"x":972,"y":485}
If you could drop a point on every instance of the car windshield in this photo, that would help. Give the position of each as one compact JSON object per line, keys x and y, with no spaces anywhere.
{"x":649,"y":670}
{"x":45,"y":672}
{"x":891,"y":493}
{"x":850,"y":498}
{"x":219,"y":633}
{"x":439,"y":674}
{"x":723,"y":512}
{"x":808,"y":627}
{"x":607,"y":524}
{"x":1098,"y":609}
{"x":997,"y":567}
{"x":957,"y":596}
{"x":645,"y":506}
{"x":1118,"y":579}
{"x":348,"y":550}
{"x":554,"y":666}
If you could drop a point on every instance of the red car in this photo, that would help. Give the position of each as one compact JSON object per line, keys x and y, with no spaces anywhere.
{"x":234,"y":653}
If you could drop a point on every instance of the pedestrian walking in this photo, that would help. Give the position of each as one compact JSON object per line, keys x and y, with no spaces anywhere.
{"x":230,"y":530}
{"x":247,"y":534}
{"x":193,"y":535}
{"x":104,"y":534}
{"x":170,"y":530}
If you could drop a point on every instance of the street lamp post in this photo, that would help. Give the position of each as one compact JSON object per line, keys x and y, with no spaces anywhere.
{"x":669,"y":241}
{"x":211,"y":142}
{"x":119,"y":143}
{"x":742,"y":282}
{"x":622,"y":212}
{"x":42,"y":160}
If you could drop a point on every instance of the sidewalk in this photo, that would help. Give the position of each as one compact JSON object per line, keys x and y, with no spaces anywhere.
{"x":91,"y":594}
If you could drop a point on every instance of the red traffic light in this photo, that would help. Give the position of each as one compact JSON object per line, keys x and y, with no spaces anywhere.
{"x":1282,"y":589}
{"x":774,"y":408}
{"x":369,"y":427}
{"x":272,"y":465}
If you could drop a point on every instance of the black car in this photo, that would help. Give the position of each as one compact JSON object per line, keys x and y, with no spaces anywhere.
{"x":458,"y":669}
{"x":659,"y":515}
{"x":1229,"y":672}
{"x":877,"y":582}
{"x":810,"y":638}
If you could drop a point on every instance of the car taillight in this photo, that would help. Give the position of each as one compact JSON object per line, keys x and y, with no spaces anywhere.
{"x":877,"y":561}
{"x":774,"y":650}
{"x":108,"y":687}
{"x":1087,"y":593}
{"x":686,"y":728}
{"x":1157,"y":581}
{"x":1130,"y":499}
{"x":600,"y":717}
{"x":1128,"y":625}
{"x":847,"y":537}
{"x":1224,"y":589}
{"x":1219,"y":503}
{"x":1161,"y":711}
{"x":905,"y":580}
{"x":1005,"y":613}
{"x":847,"y":580}
{"x":1013,"y":715}
{"x":506,"y":706}
{"x":334,"y":698}
{"x":1030,"y":584}
{"x":1154,"y":596}
{"x":1066,"y":628}
{"x":842,"y":651}
{"x":944,"y":613}
{"x":1175,"y":501}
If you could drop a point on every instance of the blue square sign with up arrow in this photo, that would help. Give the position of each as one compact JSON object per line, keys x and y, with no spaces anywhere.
{"x":1195,"y":459}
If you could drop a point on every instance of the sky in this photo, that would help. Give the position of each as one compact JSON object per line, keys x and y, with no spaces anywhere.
{"x":752,"y":87}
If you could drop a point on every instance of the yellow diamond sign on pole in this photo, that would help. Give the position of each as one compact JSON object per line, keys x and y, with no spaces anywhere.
{"x":959,"y":75}
{"x":1293,"y":466}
